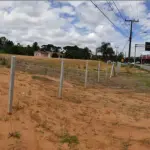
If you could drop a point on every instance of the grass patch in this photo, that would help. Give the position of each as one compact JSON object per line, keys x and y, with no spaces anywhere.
{"x":4,"y":62}
{"x":15,"y":135}
{"x":145,"y":141}
{"x":17,"y":107}
{"x":68,"y":139}
{"x":126,"y":144}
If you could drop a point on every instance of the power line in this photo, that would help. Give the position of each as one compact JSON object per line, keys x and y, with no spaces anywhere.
{"x":109,"y":4}
{"x":124,"y":45}
{"x":131,"y":7}
{"x":119,"y":13}
{"x":105,"y":15}
{"x":137,"y":10}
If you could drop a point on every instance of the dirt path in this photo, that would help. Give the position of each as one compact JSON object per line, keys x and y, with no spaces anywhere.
{"x":100,"y":118}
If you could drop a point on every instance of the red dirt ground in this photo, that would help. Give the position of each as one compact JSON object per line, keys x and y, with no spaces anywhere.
{"x":101,"y":118}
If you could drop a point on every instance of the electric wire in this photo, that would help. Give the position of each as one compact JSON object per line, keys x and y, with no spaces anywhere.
{"x":106,"y":16}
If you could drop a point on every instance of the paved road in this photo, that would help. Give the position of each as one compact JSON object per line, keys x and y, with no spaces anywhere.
{"x":146,"y":67}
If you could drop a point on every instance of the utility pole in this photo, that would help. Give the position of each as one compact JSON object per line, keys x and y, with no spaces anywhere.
{"x":130,"y":38}
{"x":135,"y":53}
{"x":137,"y":45}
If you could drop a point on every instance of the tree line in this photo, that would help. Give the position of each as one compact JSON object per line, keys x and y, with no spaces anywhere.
{"x":73,"y":52}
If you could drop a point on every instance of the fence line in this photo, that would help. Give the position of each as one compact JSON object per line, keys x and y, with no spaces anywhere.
{"x":91,"y":74}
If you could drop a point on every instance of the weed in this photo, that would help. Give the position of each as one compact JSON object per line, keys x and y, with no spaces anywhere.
{"x":29,"y":92}
{"x":5,"y":62}
{"x":40,"y":78}
{"x":128,"y":70}
{"x":44,"y":125}
{"x":126,"y":144}
{"x":17,"y":107}
{"x":6,"y":119}
{"x":17,"y":118}
{"x":68,"y":139}
{"x":115,"y":123}
{"x":15,"y":135}
{"x":8,"y":65}
{"x":146,"y":141}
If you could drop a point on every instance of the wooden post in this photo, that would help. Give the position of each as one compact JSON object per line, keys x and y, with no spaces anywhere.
{"x":86,"y":74}
{"x":11,"y":84}
{"x":61,"y":79}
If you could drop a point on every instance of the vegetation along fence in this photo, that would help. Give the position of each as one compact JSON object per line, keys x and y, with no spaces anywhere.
{"x":83,"y":73}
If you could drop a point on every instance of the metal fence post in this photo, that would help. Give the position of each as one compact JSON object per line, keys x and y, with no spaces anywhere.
{"x":61,"y":79}
{"x":11,"y":84}
{"x":86,"y":74}
{"x":98,"y":72}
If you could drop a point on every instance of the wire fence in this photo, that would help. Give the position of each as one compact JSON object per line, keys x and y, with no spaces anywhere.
{"x":73,"y":75}
{"x":84,"y":76}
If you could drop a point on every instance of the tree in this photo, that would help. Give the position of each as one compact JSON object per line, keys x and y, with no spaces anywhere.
{"x":7,"y":46}
{"x":35,"y":46}
{"x":120,"y":56}
{"x":51,"y":48}
{"x":77,"y":53}
{"x":106,"y":50}
{"x":55,"y":55}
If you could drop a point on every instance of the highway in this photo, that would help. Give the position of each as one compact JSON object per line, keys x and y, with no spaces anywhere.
{"x":146,"y":67}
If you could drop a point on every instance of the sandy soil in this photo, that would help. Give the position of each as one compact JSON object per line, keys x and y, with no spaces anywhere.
{"x":100,"y":118}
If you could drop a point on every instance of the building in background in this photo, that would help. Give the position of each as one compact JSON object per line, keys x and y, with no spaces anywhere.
{"x":145,"y":57}
{"x":48,"y":54}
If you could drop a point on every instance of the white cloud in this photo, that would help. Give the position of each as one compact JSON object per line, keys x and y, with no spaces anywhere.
{"x":29,"y":21}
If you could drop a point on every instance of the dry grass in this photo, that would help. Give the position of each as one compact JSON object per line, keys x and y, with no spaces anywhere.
{"x":69,"y":63}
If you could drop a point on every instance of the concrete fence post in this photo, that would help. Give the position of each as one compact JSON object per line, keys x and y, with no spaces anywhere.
{"x":61,"y":78}
{"x":11,"y":84}
{"x":118,"y":67}
{"x":112,"y":70}
{"x":86,"y":74}
{"x":98,"y":72}
{"x":107,"y":70}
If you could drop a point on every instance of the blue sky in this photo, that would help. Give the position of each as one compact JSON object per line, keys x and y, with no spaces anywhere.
{"x":74,"y":22}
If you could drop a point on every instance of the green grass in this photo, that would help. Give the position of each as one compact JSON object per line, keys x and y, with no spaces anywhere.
{"x":70,"y":140}
{"x":15,"y":135}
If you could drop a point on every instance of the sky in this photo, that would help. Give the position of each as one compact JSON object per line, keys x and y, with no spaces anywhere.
{"x":75,"y":23}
